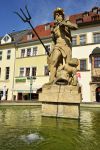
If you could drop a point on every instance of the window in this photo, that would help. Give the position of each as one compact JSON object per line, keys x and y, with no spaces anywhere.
{"x":0,"y":55}
{"x":95,"y":9}
{"x":34,"y":51}
{"x":95,"y":17}
{"x":0,"y":72}
{"x":85,"y":14}
{"x":6,"y":38}
{"x":34,"y":71}
{"x":99,"y":11}
{"x":46,"y":71}
{"x":74,"y":42}
{"x":29,"y":36}
{"x":48,"y":48}
{"x":79,"y":20}
{"x":28,"y":71}
{"x":21,"y":74}
{"x":8,"y":54}
{"x":22,"y":52}
{"x":96,"y":37}
{"x":7,"y":72}
{"x":97,"y":62}
{"x":47,"y":27}
{"x":83,"y":64}
{"x":29,"y":52}
{"x":82,"y":39}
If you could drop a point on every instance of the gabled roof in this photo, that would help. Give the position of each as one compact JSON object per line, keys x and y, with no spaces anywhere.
{"x":16,"y":36}
{"x":41,"y":31}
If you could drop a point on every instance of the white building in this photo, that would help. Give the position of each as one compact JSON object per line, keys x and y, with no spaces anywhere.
{"x":85,"y":40}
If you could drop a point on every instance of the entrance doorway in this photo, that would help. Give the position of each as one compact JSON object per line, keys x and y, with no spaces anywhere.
{"x":26,"y":96}
{"x":19,"y":96}
{"x":1,"y":94}
{"x":98,"y":94}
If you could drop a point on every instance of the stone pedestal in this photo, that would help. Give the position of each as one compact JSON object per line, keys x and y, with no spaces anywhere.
{"x":60,"y":101}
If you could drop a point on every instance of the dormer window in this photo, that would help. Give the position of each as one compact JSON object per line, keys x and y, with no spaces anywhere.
{"x":29,"y":36}
{"x":95,"y":17}
{"x":6,"y":39}
{"x":47,"y":27}
{"x":85,"y":14}
{"x":79,"y":20}
{"x":95,"y":9}
{"x":99,"y":11}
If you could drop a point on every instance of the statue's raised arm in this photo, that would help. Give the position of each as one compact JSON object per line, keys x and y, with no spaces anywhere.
{"x":67,"y":23}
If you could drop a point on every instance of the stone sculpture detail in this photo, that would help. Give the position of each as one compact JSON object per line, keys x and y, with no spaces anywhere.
{"x":61,"y":65}
{"x":61,"y":96}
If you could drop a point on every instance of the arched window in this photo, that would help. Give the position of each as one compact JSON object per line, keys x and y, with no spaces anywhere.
{"x":98,"y":94}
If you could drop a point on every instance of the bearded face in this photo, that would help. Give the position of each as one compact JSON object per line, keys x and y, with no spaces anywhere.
{"x":58,"y":17}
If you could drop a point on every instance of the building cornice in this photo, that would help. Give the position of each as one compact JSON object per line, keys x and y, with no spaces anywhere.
{"x":86,"y":44}
{"x":10,"y":45}
{"x":27,"y":43}
{"x":88,"y":24}
{"x":31,"y":56}
{"x":95,"y":83}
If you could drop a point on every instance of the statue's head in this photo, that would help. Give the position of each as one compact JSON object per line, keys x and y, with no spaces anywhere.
{"x":59,"y":14}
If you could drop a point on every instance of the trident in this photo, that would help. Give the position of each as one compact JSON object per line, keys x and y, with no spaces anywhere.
{"x":27,"y":18}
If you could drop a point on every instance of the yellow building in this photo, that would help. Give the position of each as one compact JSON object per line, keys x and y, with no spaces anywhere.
{"x":31,"y":70}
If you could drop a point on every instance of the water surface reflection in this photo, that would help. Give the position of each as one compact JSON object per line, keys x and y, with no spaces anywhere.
{"x":22,"y":127}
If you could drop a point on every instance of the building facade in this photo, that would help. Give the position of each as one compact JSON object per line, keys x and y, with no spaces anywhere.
{"x":86,"y":40}
{"x":27,"y":67}
{"x":31,"y":70}
{"x":7,"y":61}
{"x":8,"y":48}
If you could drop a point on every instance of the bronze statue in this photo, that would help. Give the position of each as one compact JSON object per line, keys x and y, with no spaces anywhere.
{"x":62,"y":49}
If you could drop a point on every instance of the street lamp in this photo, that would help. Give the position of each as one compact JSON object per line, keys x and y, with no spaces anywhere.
{"x":31,"y":83}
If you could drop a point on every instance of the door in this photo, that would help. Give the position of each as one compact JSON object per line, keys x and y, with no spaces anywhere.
{"x":98,"y":94}
{"x":19,"y":96}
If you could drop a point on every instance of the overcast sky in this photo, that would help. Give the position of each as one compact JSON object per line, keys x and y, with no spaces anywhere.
{"x":40,"y":10}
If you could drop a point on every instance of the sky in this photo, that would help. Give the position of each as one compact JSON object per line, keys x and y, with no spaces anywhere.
{"x":41,"y":12}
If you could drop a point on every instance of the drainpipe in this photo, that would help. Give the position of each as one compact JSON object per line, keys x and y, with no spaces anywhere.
{"x":31,"y":83}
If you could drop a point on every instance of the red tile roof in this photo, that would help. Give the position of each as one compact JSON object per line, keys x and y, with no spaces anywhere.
{"x":41,"y":31}
{"x":88,"y":18}
{"x":73,"y":18}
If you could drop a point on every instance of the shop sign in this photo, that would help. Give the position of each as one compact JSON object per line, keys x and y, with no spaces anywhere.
{"x":20,"y":80}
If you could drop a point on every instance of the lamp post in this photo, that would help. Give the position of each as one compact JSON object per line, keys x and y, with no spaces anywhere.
{"x":31,"y":83}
